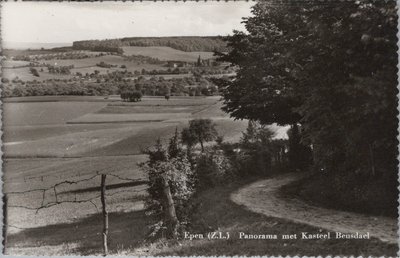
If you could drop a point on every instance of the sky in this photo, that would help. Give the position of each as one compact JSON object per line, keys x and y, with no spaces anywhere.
{"x":65,"y":22}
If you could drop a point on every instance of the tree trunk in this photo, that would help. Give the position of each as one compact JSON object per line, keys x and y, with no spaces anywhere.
{"x":372,"y":160}
{"x":169,"y":209}
{"x":105,"y":214}
{"x":5,"y":222}
{"x":202,"y":146}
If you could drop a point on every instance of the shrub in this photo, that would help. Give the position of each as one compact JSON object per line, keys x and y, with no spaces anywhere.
{"x":34,"y":72}
{"x":213,"y":168}
{"x":171,"y":185}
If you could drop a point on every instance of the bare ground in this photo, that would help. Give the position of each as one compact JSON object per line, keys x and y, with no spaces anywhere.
{"x":263,"y":197}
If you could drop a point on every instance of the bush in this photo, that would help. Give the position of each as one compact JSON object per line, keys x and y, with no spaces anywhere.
{"x":34,"y":72}
{"x":213,"y":168}
{"x":171,"y":185}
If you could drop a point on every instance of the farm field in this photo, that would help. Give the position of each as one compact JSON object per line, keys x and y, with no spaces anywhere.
{"x":13,"y":63}
{"x":64,"y":138}
{"x":24,"y":74}
{"x":42,"y":148}
{"x":109,"y":59}
{"x":167,"y":53}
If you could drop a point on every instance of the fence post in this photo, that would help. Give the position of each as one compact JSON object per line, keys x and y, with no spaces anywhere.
{"x":105,"y":214}
{"x":5,"y":221}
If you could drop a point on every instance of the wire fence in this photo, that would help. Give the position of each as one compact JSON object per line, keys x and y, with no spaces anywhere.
{"x":54,"y":190}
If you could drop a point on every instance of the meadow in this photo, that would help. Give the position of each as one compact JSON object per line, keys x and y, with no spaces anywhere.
{"x":52,"y":139}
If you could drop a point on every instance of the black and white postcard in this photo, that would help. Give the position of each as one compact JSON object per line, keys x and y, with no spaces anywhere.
{"x":200,"y":128}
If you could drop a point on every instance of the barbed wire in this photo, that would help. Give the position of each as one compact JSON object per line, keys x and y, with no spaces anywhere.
{"x":57,"y":201}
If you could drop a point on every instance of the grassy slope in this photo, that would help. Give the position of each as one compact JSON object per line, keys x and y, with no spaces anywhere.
{"x":373,"y":197}
{"x":216,"y":211}
{"x":219,"y":213}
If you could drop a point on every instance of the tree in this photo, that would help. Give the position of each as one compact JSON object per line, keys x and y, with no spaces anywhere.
{"x":174,"y":148}
{"x":199,"y":131}
{"x":34,"y":72}
{"x":131,"y":95}
{"x":198,"y":61}
{"x":300,"y":155}
{"x":323,"y":66}
{"x":257,"y":142}
{"x":170,"y":185}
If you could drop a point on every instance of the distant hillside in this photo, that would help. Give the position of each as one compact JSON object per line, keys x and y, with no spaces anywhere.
{"x":32,"y":45}
{"x":167,"y":53}
{"x":187,"y":44}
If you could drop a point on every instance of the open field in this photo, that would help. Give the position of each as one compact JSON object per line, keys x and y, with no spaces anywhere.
{"x":24,"y":74}
{"x":13,"y":63}
{"x":42,"y":148}
{"x":167,"y":53}
{"x":49,"y":140}
{"x":109,"y":59}
{"x":44,"y":113}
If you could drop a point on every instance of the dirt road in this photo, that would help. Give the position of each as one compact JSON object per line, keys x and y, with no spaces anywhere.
{"x":262,"y":197}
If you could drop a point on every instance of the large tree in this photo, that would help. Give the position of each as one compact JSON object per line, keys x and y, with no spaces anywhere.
{"x":330,"y":66}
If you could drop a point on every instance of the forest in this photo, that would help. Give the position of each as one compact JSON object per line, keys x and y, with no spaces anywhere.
{"x":188,"y":44}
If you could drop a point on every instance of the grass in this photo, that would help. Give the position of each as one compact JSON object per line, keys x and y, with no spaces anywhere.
{"x":132,"y":109}
{"x":89,"y":64}
{"x":82,"y":237}
{"x":127,"y":117}
{"x":173,"y":101}
{"x":24,"y":74}
{"x":13,"y":63}
{"x":72,"y":143}
{"x":37,"y":134}
{"x":371,"y":196}
{"x":14,"y":134}
{"x":33,"y":173}
{"x":166,"y":53}
{"x":45,"y":113}
{"x":215,"y":212}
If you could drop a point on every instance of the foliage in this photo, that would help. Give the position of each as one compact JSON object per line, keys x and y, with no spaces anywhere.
{"x":60,"y":69}
{"x":300,"y":154}
{"x":330,"y":67}
{"x":213,"y":168}
{"x":199,"y":131}
{"x":131,"y":96}
{"x":105,"y":65}
{"x":173,"y":166}
{"x":256,"y":149}
{"x":188,"y":44}
{"x":34,"y":72}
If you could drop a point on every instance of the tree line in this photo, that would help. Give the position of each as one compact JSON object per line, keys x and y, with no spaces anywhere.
{"x":187,"y":44}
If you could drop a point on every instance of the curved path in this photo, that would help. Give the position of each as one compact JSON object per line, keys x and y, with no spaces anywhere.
{"x":262,"y":197}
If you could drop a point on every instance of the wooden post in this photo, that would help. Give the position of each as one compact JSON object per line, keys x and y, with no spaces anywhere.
{"x":5,"y":221}
{"x":105,"y":213}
